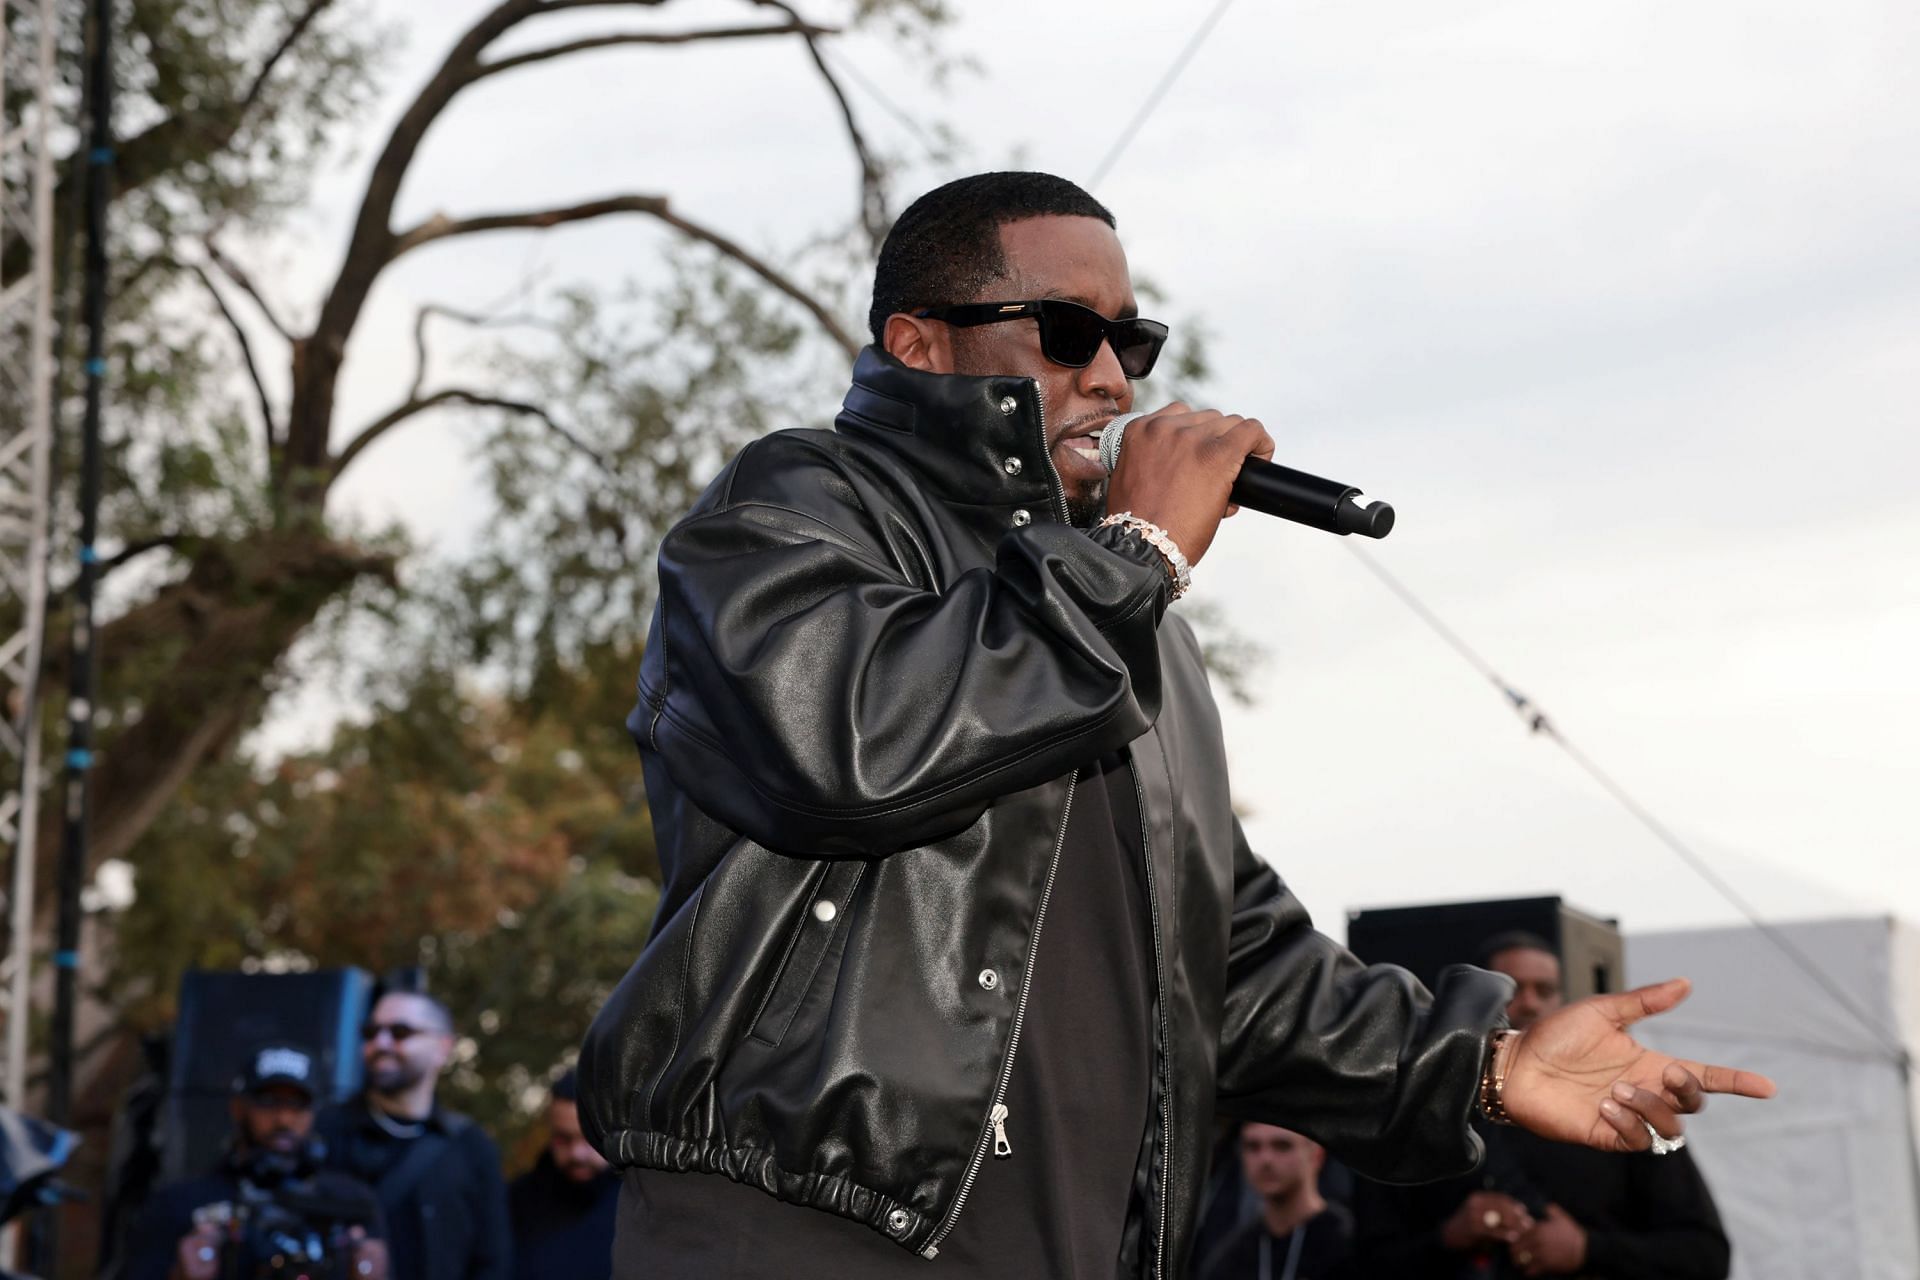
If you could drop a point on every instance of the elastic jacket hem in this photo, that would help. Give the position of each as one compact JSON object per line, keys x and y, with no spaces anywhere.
{"x":837,"y":1195}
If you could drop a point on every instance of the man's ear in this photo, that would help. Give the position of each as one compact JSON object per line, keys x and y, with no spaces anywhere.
{"x":919,"y":343}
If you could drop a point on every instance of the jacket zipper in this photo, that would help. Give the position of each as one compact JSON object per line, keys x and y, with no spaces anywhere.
{"x":1166,"y":1041}
{"x":1057,"y":491}
{"x":994,"y":1130}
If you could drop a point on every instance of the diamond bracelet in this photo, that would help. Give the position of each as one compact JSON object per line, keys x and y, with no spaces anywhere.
{"x":1177,"y":567}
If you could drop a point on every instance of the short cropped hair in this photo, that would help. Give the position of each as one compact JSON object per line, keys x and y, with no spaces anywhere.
{"x":441,"y":1013}
{"x":1512,"y":940}
{"x":945,"y":246}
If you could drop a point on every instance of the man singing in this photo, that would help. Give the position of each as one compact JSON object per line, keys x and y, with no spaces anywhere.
{"x":960,"y":944}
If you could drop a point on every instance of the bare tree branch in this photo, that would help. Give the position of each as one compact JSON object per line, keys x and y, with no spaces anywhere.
{"x":139,"y":547}
{"x":477,"y":320}
{"x":373,"y":243}
{"x":299,"y":28}
{"x":440,"y":227}
{"x":246,"y":356}
{"x":316,"y":368}
{"x":244,"y":282}
{"x":767,"y":272}
{"x":555,"y":6}
{"x":458,"y":395}
{"x":794,"y":28}
{"x":873,"y":179}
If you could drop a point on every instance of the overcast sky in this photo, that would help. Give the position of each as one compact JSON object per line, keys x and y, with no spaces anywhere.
{"x":1618,"y":304}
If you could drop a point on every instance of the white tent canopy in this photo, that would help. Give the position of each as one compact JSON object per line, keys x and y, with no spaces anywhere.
{"x":1821,"y":1180}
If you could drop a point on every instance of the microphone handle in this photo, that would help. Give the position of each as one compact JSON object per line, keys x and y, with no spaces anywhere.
{"x":1281,"y":491}
{"x":1306,"y":499}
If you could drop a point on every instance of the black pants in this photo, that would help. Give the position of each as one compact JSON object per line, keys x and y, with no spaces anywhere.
{"x":704,"y":1226}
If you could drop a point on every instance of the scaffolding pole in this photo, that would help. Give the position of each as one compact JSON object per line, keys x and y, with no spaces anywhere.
{"x":26,"y":442}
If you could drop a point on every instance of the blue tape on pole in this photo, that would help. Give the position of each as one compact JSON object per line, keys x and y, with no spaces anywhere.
{"x":100,"y":155}
{"x":97,"y":367}
{"x":88,"y":555}
{"x":78,"y":758}
{"x":66,"y":959}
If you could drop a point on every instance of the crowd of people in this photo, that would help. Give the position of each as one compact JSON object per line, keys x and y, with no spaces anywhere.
{"x":414,"y":1191}
{"x":387,"y":1185}
{"x":1532,"y":1208}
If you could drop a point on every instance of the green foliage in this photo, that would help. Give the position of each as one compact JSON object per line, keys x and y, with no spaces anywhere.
{"x":485,"y":817}
{"x":652,"y":393}
{"x":482,"y":816}
{"x":528,"y":988}
{"x":210,"y":146}
{"x":187,"y":73}
{"x":500,"y":842}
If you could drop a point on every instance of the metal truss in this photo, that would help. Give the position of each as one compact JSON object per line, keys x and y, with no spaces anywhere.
{"x":27,"y":87}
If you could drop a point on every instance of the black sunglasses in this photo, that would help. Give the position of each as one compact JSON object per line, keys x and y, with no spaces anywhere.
{"x":1070,"y":334}
{"x":400,"y":1031}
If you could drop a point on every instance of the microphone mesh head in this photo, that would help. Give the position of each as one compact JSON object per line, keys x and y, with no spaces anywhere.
{"x":1110,"y":436}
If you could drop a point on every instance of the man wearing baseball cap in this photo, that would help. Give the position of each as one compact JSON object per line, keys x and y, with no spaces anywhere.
{"x":187,"y":1227}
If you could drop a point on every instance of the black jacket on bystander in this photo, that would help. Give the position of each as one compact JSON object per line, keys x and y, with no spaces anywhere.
{"x":440,"y":1187}
{"x":1647,"y":1217}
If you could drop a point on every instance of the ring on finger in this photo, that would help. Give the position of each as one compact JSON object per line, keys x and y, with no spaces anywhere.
{"x":1492,"y":1218}
{"x":1664,"y":1146}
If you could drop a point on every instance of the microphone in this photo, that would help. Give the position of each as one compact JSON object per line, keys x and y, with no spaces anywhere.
{"x":1282,"y":491}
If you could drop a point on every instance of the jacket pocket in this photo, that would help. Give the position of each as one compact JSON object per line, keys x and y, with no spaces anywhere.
{"x":821,"y":921}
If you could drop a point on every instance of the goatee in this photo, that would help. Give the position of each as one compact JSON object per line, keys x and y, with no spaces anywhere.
{"x":1087,"y":505}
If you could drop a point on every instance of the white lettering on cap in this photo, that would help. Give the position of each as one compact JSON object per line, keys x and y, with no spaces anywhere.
{"x":289,"y":1064}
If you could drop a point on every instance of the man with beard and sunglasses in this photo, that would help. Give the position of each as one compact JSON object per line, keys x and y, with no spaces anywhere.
{"x":437,"y":1174}
{"x":959,"y":943}
{"x":186,"y":1231}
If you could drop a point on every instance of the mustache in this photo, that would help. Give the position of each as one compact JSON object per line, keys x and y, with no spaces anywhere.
{"x":1100,"y":417}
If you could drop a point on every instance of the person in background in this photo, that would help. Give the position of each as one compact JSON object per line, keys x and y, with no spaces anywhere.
{"x":185,"y":1232}
{"x":563,"y":1209}
{"x":1298,"y":1234}
{"x":1539,"y":1208}
{"x":437,"y":1174}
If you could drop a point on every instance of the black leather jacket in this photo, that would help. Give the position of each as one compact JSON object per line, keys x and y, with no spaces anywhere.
{"x":879,"y":655}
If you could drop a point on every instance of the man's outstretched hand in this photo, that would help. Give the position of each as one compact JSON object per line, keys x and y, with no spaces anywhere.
{"x":1577,"y":1076}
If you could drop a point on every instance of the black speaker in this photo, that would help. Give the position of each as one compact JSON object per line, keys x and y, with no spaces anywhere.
{"x":223,"y":1018}
{"x":1426,"y":939}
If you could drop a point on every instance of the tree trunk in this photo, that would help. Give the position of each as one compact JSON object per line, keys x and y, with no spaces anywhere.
{"x":203,"y":651}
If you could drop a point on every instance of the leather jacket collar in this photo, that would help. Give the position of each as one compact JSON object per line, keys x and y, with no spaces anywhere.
{"x":977,"y":443}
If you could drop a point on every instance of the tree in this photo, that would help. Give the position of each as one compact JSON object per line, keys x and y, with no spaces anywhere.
{"x":241,"y":508}
{"x":232,"y":498}
{"x":224,"y":550}
{"x":499,"y":841}
{"x":462,"y":822}
{"x":483,"y":817}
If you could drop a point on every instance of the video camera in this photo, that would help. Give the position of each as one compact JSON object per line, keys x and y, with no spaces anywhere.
{"x":280,"y":1226}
